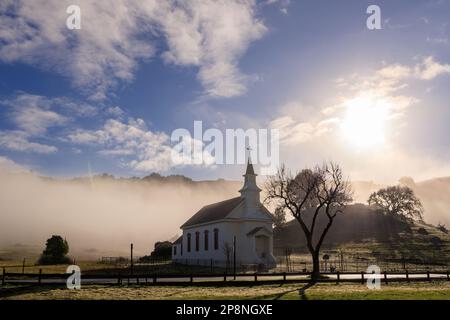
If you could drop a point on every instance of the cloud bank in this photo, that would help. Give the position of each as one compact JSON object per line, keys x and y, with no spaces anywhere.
{"x":117,"y":35}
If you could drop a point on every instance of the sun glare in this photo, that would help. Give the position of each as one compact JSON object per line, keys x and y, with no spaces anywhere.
{"x":365,"y":121}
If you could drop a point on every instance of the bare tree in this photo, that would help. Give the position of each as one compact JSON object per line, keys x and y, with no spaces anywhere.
{"x":397,"y":200}
{"x":322,"y":191}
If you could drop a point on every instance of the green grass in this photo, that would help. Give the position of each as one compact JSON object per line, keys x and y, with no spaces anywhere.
{"x":394,"y":291}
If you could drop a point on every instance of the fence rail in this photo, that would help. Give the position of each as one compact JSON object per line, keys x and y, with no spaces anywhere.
{"x":238,"y":278}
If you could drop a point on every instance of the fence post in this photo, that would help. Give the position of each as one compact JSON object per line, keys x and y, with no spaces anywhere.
{"x":154,"y":279}
{"x":4,"y":274}
{"x":448,"y":275}
{"x":407,"y":275}
{"x":119,"y":281}
{"x":225,"y":277}
{"x":256,"y":276}
{"x":362,"y":277}
{"x":428,"y":276}
{"x":192,"y":278}
{"x":40,"y":275}
{"x":338,"y":274}
{"x":385,"y":277}
{"x":284,"y":276}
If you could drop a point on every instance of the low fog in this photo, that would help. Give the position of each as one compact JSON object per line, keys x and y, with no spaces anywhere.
{"x":103,"y":215}
{"x":99,"y":216}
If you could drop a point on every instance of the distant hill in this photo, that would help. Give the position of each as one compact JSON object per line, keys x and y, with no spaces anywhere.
{"x":434,"y":193}
{"x":157,"y":179}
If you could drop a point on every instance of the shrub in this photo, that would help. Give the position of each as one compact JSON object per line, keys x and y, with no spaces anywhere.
{"x":436,"y":241}
{"x":422,"y":231}
{"x":56,"y":249}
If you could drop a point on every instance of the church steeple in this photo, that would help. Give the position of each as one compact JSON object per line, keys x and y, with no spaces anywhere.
{"x":249,"y":168}
{"x":250,"y":190}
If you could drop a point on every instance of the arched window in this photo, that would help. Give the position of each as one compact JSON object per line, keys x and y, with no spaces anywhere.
{"x":216,"y":239}
{"x":197,"y":241}
{"x":188,"y":242}
{"x":206,"y":240}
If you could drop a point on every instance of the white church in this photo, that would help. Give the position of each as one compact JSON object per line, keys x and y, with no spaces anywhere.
{"x":240,"y":227}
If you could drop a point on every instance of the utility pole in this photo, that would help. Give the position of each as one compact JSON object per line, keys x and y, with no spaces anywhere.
{"x":131,"y":260}
{"x":234,"y":257}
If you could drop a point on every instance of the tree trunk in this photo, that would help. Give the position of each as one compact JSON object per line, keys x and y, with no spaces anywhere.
{"x":316,"y":265}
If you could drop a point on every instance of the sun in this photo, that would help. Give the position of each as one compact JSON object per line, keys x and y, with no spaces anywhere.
{"x":364,"y":123}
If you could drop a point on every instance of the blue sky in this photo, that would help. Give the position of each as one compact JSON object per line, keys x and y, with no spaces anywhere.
{"x":107,"y":97}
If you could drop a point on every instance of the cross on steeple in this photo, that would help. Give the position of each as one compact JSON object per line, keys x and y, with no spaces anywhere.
{"x":249,"y":163}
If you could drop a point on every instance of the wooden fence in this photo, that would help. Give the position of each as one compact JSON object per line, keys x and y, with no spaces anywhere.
{"x":41,"y":278}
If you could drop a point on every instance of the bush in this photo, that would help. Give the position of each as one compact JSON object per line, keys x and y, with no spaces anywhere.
{"x":436,"y":241}
{"x":56,"y":249}
{"x":422,"y":231}
{"x":163,"y":250}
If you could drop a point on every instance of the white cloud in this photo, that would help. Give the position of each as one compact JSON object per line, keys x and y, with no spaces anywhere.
{"x":149,"y":150}
{"x":8,"y":165}
{"x":18,"y":141}
{"x":117,"y":35}
{"x":138,"y":147}
{"x":282,"y":4}
{"x":35,"y":120}
{"x":430,"y":69}
{"x":437,"y":40}
{"x":115,"y":112}
{"x":293,"y":132}
{"x":34,"y":114}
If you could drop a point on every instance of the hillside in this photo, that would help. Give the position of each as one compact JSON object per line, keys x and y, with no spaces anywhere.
{"x":364,"y":231}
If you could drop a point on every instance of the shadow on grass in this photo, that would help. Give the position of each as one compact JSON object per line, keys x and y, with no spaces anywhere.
{"x":302,"y":290}
{"x":8,"y":292}
{"x":178,"y":292}
{"x":279,"y":295}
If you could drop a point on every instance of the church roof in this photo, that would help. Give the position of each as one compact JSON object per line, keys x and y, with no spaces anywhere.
{"x":180,"y":238}
{"x":213,"y":212}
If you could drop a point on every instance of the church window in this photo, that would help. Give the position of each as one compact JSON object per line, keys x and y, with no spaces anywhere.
{"x":206,"y":240}
{"x":189,"y":242}
{"x":197,"y":241}
{"x":216,"y":239}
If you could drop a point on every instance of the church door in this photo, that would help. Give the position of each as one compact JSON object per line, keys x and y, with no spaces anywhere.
{"x":262,"y":246}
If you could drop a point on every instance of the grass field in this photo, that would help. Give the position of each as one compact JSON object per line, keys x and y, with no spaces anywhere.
{"x":394,"y":291}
